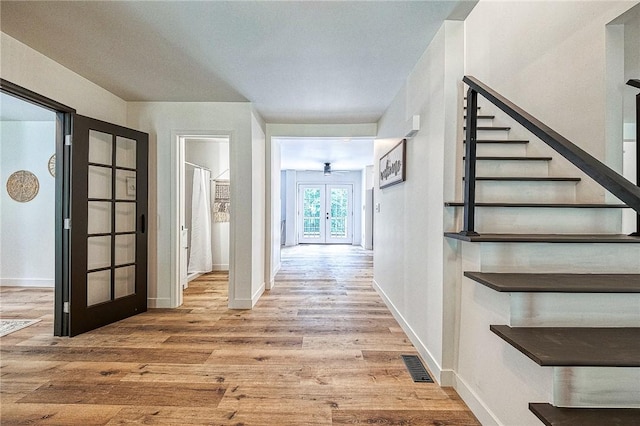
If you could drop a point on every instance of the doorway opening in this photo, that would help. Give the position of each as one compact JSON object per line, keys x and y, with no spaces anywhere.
{"x":326,"y":188}
{"x":27,"y":210}
{"x":204,"y":210}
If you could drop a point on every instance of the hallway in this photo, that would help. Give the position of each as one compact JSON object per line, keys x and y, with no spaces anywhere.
{"x":320,"y":348}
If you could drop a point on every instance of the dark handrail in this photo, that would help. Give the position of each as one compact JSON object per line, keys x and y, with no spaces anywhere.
{"x":634,"y":82}
{"x":602,"y":174}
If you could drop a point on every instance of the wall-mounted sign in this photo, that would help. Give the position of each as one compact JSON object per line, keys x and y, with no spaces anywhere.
{"x":392,"y":165}
{"x":23,"y":186}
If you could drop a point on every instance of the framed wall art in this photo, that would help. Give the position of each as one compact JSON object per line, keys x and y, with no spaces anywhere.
{"x":393,"y":165}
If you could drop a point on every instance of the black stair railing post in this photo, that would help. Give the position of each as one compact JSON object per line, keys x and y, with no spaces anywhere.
{"x":470,"y":164}
{"x":636,"y":83}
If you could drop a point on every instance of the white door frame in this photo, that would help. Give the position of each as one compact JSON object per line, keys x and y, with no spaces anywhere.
{"x":177,"y":204}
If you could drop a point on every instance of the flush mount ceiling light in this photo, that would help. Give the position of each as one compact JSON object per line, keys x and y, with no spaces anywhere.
{"x":327,"y":169}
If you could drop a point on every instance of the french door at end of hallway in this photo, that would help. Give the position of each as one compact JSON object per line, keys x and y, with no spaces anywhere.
{"x":108,"y":237}
{"x":325,"y":214}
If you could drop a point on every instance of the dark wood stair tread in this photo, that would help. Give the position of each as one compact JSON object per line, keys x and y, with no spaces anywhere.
{"x":502,"y":141}
{"x":489,"y":128}
{"x":575,"y":346}
{"x":544,"y":238}
{"x":542,"y":205}
{"x":557,"y":416}
{"x":513,"y":158}
{"x":483,"y":117}
{"x":558,"y":283}
{"x":528,"y":178}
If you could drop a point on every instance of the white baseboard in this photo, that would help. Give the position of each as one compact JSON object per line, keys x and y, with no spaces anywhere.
{"x":220,"y":266}
{"x":159,"y":302}
{"x":272,"y":281}
{"x":247,"y":303}
{"x":442,"y":377}
{"x":27,"y":282}
{"x":475,"y":404}
{"x":256,"y":296}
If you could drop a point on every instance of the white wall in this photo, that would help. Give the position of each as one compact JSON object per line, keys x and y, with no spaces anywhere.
{"x":366,"y":235}
{"x":258,"y":215}
{"x":214,"y":155}
{"x":30,"y":69}
{"x":411,"y":269}
{"x":27,"y":240}
{"x":164,"y":121}
{"x":549,"y":58}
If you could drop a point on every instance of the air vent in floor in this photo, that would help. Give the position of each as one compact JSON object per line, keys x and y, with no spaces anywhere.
{"x":416,"y":369}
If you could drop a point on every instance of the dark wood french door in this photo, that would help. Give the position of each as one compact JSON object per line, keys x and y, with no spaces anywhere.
{"x":108,"y":224}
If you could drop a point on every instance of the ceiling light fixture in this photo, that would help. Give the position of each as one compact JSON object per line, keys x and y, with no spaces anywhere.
{"x":327,"y":169}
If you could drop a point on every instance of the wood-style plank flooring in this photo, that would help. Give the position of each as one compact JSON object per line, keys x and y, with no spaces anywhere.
{"x":320,"y":348}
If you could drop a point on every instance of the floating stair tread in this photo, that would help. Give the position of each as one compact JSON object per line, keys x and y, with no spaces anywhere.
{"x":513,"y":158}
{"x":558,"y":283}
{"x":542,"y":205}
{"x":489,"y":128}
{"x":575,"y":346}
{"x":502,"y":141}
{"x":544,"y":238}
{"x":483,"y":117}
{"x":557,"y":416}
{"x":529,"y":178}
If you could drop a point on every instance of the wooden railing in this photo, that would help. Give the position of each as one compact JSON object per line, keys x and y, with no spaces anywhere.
{"x":609,"y":179}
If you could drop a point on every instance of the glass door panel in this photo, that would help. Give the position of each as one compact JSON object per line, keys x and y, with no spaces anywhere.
{"x":312,"y":211}
{"x":339,"y":214}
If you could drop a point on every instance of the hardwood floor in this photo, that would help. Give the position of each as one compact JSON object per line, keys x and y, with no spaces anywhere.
{"x":320,"y":348}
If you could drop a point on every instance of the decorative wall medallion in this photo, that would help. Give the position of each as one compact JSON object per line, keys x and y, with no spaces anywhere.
{"x":52,"y":165}
{"x":23,"y":186}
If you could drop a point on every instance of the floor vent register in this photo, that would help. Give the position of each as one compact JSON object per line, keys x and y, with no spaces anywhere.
{"x":416,"y":369}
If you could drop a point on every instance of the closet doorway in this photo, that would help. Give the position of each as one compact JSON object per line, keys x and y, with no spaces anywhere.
{"x":204,"y":206}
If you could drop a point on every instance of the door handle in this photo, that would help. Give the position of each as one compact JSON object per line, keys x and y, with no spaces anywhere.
{"x":143,"y":224}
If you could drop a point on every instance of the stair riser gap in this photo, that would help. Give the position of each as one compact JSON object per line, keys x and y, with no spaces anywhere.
{"x":525,"y":191}
{"x":504,"y":150}
{"x":512,"y":168}
{"x":491,"y":134}
{"x":596,"y":387}
{"x":544,"y":220}
{"x":559,"y":257}
{"x":575,"y":310}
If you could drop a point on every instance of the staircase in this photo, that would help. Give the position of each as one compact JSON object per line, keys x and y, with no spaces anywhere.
{"x":549,"y":313}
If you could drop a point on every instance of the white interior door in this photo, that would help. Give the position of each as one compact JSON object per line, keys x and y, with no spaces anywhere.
{"x":325,"y":214}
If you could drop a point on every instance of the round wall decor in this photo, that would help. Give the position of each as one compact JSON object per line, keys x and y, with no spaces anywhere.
{"x":52,"y":165}
{"x":23,"y":186}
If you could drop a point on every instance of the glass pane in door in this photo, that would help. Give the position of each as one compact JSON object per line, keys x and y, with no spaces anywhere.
{"x":339,"y":212}
{"x":311,"y":213}
{"x":98,"y":287}
{"x":125,"y":281}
